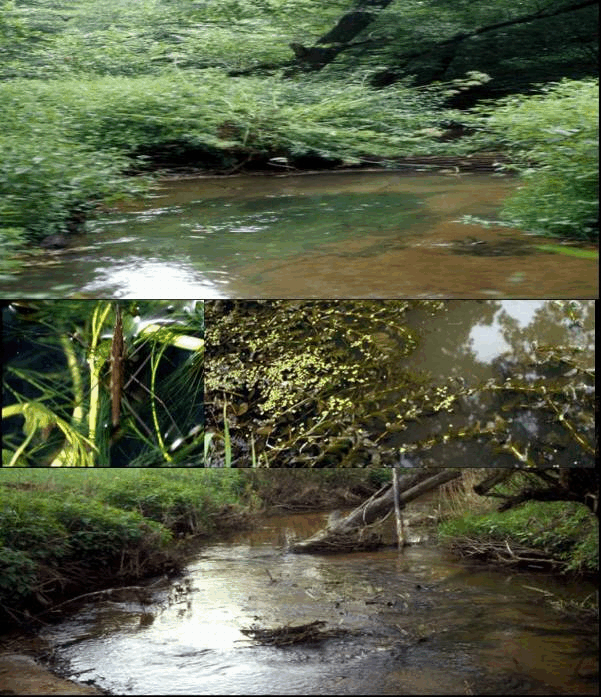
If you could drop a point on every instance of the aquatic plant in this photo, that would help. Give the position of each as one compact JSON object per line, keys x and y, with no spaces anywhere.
{"x":90,"y":365}
{"x":322,"y":384}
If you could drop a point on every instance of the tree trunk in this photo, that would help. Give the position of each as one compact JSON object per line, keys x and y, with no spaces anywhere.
{"x":446,"y":49}
{"x":338,"y":38}
{"x":411,"y":486}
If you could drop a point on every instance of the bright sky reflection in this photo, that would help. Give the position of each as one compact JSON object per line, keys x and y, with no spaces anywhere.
{"x":153,"y":279}
{"x":487,"y":340}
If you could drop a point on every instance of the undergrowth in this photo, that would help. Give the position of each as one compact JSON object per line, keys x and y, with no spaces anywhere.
{"x":563,"y":530}
{"x":64,"y":531}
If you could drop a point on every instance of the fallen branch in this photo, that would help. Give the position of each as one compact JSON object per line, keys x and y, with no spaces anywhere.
{"x":349,"y":533}
{"x":501,"y":552}
{"x":288,"y":635}
{"x":141,"y":592}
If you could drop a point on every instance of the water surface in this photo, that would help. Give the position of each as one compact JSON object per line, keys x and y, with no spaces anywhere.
{"x":417,"y":622}
{"x":345,"y":234}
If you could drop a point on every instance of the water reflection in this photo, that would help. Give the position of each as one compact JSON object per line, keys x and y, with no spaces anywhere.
{"x":478,"y":341}
{"x":137,"y":277}
{"x":469,"y":337}
{"x":489,"y":359}
{"x":418,"y":623}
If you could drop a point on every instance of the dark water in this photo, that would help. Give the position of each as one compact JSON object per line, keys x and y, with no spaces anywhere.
{"x":354,"y":234}
{"x":468,"y":342}
{"x":475,"y":341}
{"x":418,"y":623}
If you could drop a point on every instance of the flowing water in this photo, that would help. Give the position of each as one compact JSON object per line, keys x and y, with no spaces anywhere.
{"x":417,"y":622}
{"x":346,"y":234}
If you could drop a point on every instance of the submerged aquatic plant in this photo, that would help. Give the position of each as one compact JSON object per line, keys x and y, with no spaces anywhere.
{"x":323,"y":384}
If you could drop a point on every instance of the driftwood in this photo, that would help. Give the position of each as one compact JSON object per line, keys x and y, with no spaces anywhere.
{"x":500,"y":552}
{"x":288,"y":635}
{"x":139,"y":594}
{"x":353,"y":532}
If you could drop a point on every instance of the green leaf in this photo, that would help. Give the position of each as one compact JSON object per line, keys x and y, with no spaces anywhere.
{"x":568,"y":251}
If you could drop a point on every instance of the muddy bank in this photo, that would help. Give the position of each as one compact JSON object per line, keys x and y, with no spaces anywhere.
{"x":23,"y":675}
{"x":24,"y":672}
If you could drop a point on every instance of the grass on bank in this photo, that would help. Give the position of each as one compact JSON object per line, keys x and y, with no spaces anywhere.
{"x":61,"y":532}
{"x":65,"y":531}
{"x":563,"y":532}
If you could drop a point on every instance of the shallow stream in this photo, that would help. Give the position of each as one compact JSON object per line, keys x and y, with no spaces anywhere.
{"x":384,"y":234}
{"x":417,"y":622}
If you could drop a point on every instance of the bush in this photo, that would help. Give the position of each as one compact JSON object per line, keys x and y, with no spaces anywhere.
{"x":17,"y":573}
{"x":28,"y":525}
{"x":99,"y":532}
{"x":553,"y":137}
{"x":181,"y":503}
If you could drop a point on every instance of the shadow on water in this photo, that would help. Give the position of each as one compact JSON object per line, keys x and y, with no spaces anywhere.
{"x":416,"y":623}
{"x":353,"y":234}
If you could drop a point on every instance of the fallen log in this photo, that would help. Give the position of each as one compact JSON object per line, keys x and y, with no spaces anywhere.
{"x":353,"y":531}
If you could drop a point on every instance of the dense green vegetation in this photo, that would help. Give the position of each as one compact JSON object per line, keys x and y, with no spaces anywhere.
{"x":564,"y":532}
{"x":102,"y":384}
{"x":554,"y":139}
{"x":64,"y":531}
{"x":331,"y":384}
{"x":90,"y":94}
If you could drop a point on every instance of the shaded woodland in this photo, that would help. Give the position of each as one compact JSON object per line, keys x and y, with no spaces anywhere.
{"x":90,"y":97}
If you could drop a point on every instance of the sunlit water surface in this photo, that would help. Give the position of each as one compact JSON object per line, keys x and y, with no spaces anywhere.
{"x":419,"y":623}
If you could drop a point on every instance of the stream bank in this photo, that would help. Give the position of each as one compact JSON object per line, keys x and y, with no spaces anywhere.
{"x":22,"y":674}
{"x":420,"y":622}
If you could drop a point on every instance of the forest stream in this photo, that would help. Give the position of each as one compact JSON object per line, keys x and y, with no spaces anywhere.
{"x":416,"y":622}
{"x":368,"y":234}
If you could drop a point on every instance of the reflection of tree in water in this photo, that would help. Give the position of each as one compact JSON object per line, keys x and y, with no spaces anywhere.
{"x":60,"y":385}
{"x":322,"y":384}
